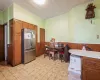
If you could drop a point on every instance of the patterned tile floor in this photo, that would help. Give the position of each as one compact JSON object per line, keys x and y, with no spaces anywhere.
{"x":39,"y":69}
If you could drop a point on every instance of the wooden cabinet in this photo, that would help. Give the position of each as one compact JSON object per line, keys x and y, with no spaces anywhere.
{"x":14,"y":48}
{"x":25,"y":25}
{"x":90,"y":69}
{"x":17,"y":49}
{"x":91,"y":74}
{"x":17,"y":27}
{"x":31,"y":26}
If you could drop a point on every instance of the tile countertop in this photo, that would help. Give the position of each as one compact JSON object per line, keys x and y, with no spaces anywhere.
{"x":91,"y":54}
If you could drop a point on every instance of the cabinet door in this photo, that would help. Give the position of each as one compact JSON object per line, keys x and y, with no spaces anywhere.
{"x":91,"y":74}
{"x":17,"y":49}
{"x":17,"y":42}
{"x":17,"y":26}
{"x":90,"y":69}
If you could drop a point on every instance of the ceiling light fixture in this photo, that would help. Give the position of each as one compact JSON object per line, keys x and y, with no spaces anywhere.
{"x":39,"y":2}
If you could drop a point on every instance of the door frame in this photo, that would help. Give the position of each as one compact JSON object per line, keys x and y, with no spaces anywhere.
{"x":5,"y":41}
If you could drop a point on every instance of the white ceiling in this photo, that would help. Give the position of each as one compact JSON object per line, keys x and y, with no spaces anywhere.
{"x":4,"y":4}
{"x":50,"y":9}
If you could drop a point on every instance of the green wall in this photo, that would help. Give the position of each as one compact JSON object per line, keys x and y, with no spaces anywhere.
{"x":57,"y":28}
{"x":8,"y":14}
{"x":73,"y":27}
{"x":24,"y":15}
{"x":68,"y":27}
{"x":1,"y":17}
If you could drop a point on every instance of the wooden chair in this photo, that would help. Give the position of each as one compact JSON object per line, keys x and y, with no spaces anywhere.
{"x":46,"y":52}
{"x":61,"y":54}
{"x":53,"y":53}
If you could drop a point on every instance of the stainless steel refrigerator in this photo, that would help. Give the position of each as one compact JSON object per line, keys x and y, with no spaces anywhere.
{"x":28,"y":45}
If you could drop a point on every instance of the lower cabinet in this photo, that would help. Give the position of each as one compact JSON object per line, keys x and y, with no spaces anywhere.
{"x":91,"y":74}
{"x":17,"y":49}
{"x":90,"y":69}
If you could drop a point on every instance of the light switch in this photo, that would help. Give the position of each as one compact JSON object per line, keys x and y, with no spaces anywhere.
{"x":97,"y":36}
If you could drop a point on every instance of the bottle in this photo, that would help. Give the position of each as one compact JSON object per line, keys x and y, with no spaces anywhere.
{"x":84,"y":48}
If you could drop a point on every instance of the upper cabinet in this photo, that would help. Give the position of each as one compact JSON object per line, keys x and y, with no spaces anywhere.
{"x":25,"y":25}
{"x":31,"y":26}
{"x":17,"y":26}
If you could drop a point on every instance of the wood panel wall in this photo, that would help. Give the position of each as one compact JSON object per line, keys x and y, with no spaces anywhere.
{"x":38,"y":49}
{"x":94,"y":47}
{"x":14,"y":48}
{"x":1,"y":42}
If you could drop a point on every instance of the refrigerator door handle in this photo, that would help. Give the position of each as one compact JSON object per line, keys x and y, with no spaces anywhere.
{"x":30,"y":50}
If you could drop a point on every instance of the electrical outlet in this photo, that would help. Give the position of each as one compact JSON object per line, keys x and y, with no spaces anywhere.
{"x":97,"y":36}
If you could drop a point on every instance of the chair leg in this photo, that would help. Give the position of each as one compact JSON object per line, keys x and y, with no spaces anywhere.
{"x":44,"y":55}
{"x":54,"y":57}
{"x":62,"y":58}
{"x":49,"y":56}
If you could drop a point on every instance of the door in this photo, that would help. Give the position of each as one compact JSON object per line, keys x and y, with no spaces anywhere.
{"x":1,"y":43}
{"x":42,"y":41}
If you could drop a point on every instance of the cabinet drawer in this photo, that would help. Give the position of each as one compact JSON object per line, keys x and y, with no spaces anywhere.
{"x":91,"y":63}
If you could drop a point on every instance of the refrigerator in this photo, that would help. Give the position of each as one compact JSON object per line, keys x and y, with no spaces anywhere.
{"x":28,"y":45}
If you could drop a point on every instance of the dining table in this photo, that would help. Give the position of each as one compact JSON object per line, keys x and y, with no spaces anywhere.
{"x":56,"y":50}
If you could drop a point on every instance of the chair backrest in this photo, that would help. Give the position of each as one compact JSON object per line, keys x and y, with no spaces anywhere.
{"x":61,"y":50}
{"x":88,"y":48}
{"x":52,"y":44}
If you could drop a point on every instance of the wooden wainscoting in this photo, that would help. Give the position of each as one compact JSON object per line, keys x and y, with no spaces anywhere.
{"x":38,"y":49}
{"x":94,"y":47}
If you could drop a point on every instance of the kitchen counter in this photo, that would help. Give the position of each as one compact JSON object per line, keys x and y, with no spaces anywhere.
{"x":91,"y":54}
{"x":90,"y":62}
